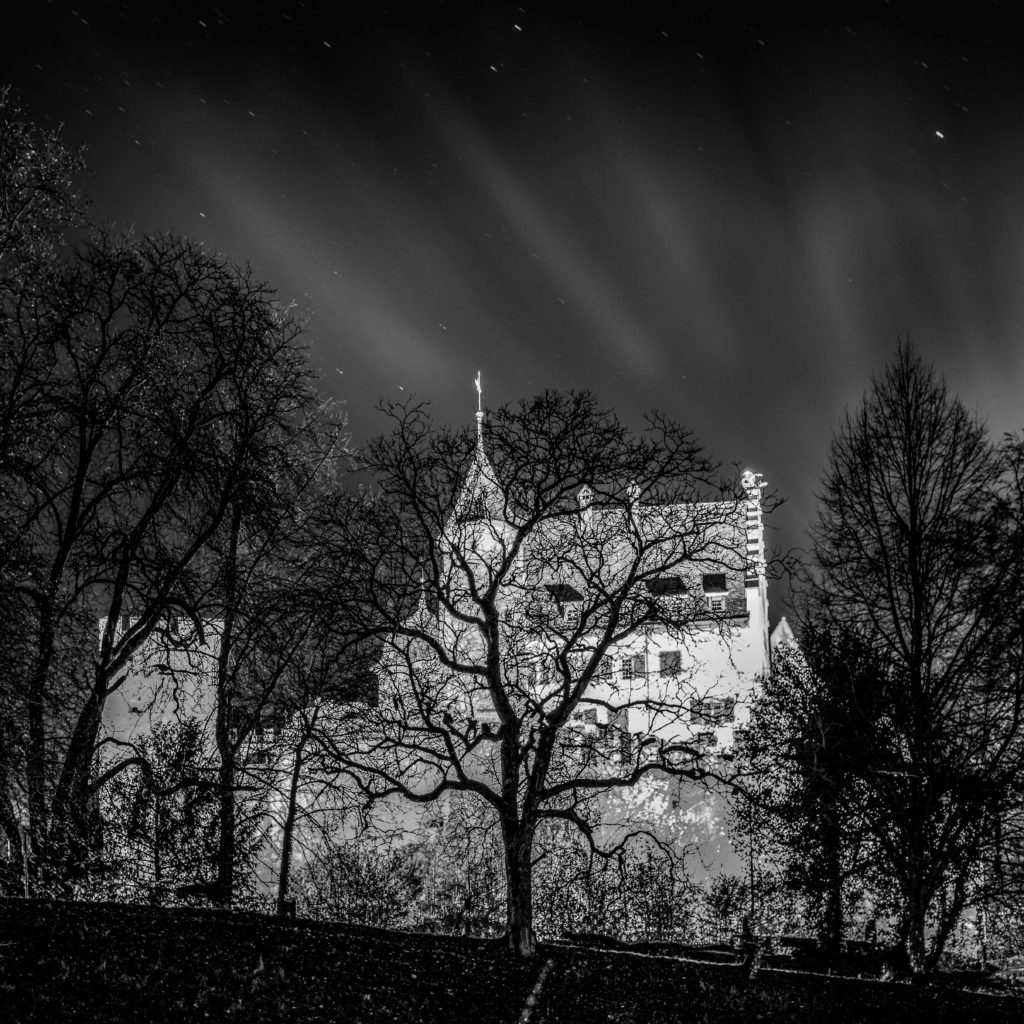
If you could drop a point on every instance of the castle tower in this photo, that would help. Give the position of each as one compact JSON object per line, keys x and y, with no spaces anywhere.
{"x":755,"y":578}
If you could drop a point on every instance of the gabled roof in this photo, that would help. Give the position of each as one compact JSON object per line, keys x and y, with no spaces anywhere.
{"x":782,"y":635}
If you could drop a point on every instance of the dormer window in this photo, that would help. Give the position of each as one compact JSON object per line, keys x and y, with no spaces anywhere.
{"x":666,"y":586}
{"x":567,"y":598}
{"x":669,"y":593}
{"x":715,"y":591}
{"x":563,"y":593}
{"x":714,"y":583}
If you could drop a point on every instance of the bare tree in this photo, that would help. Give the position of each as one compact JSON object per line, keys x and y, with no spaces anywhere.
{"x":169,"y":375}
{"x":38,"y":201}
{"x":327,"y":691}
{"x":38,"y":205}
{"x":809,"y":810}
{"x":502,"y":572}
{"x":918,"y":549}
{"x":261,"y":602}
{"x":160,"y":815}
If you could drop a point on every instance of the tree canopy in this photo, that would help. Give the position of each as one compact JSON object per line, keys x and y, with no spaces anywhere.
{"x":501,"y":570}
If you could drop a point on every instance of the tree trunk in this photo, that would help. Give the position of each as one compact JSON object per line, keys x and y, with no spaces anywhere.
{"x":12,"y":873}
{"x":951,"y":911}
{"x":288,"y":831}
{"x":156,"y":893}
{"x":518,"y":837}
{"x":224,"y":887}
{"x":912,"y":927}
{"x":832,"y":911}
{"x":71,"y":834}
{"x":35,"y":754}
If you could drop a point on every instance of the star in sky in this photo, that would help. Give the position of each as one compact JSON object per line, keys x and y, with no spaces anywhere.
{"x":714,"y":209}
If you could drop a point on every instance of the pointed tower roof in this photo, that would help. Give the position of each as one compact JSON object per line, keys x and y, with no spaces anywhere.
{"x":782,"y":634}
{"x":422,"y":615}
{"x":481,"y":496}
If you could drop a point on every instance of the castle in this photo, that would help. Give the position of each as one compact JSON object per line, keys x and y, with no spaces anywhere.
{"x":692,"y":582}
{"x":640,"y":626}
{"x":687,"y":668}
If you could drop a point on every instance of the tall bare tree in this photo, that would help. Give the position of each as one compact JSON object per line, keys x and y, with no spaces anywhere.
{"x":38,"y":205}
{"x":38,"y":199}
{"x":809,"y":811}
{"x":169,"y":375}
{"x":501,"y":571}
{"x":918,"y":548}
{"x":261,"y":604}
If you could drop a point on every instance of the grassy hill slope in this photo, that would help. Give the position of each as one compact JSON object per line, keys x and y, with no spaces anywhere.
{"x":111,"y":963}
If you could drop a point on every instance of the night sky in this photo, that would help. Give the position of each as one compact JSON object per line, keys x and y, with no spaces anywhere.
{"x":728,"y":211}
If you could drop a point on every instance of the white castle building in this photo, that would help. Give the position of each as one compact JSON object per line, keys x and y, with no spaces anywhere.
{"x":686,"y":672}
{"x":689,"y":576}
{"x":683,"y":674}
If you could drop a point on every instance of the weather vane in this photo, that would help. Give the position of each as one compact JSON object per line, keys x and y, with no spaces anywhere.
{"x":479,"y":412}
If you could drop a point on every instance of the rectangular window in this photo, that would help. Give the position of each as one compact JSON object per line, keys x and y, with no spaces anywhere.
{"x":662,"y":586}
{"x":671,"y":663}
{"x":634,"y":666}
{"x":716,"y":603}
{"x":714,"y":711}
{"x":625,"y":747}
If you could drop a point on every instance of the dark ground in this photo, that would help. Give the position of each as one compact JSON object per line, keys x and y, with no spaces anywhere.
{"x":113,"y":963}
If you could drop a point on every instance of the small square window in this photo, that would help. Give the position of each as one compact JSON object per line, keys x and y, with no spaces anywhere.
{"x":716,"y":603}
{"x":670,"y":663}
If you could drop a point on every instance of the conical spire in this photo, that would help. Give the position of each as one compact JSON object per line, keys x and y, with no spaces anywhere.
{"x":481,"y":496}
